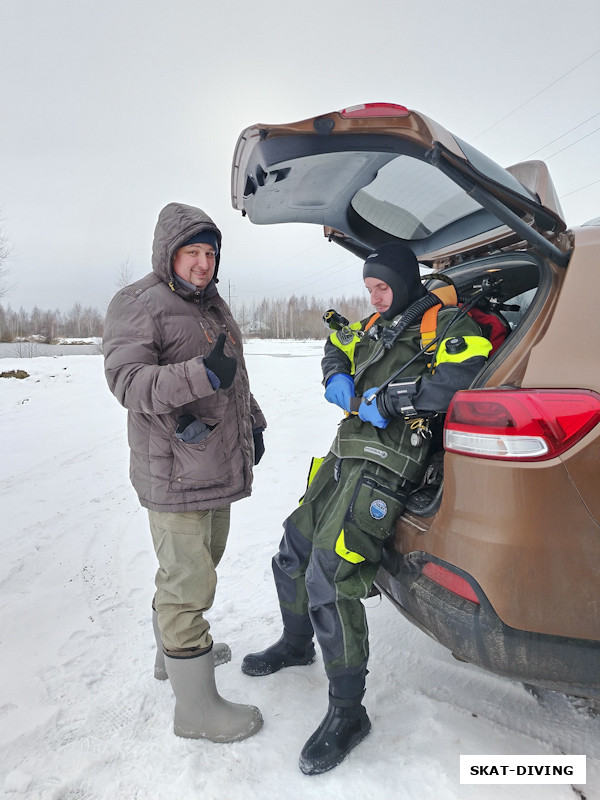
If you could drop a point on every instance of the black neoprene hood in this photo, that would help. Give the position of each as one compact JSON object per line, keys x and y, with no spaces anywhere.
{"x":396,"y":265}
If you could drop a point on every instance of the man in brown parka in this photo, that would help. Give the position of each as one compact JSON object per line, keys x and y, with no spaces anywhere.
{"x":174,"y":359}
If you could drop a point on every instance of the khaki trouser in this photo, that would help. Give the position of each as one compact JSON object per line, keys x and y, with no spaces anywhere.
{"x":188,"y":545}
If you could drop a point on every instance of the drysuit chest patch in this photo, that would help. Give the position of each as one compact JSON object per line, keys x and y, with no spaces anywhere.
{"x":378,"y":509}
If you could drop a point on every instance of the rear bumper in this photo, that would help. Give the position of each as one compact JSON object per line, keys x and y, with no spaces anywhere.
{"x":475,"y":633}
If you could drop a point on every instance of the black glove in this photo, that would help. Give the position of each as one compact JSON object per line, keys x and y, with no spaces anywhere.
{"x":222,"y":366}
{"x":259,"y":444}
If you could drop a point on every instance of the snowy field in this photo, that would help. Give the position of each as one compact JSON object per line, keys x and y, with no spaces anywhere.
{"x":81,"y":716}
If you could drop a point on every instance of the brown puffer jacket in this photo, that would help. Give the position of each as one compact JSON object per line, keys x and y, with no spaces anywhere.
{"x":154,"y":332}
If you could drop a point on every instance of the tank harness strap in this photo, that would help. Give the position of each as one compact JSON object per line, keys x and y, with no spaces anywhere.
{"x":372,"y":321}
{"x":449,"y":297}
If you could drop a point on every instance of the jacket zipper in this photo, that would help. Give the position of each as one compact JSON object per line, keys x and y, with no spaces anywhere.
{"x":231,"y":339}
{"x":204,"y":331}
{"x":208,"y":336}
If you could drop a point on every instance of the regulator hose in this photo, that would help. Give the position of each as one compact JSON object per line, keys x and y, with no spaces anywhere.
{"x":389,"y":335}
{"x":411,"y":316}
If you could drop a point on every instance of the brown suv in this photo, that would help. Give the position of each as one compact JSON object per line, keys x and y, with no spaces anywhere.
{"x":497,"y":556}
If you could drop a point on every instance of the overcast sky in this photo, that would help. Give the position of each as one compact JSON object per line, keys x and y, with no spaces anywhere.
{"x":110,"y":109}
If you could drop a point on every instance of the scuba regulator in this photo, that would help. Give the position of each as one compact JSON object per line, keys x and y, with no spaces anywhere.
{"x":334,"y":320}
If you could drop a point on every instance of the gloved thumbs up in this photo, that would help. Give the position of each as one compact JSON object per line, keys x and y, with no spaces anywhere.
{"x":224,"y":367}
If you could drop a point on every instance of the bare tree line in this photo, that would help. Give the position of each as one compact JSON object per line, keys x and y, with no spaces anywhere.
{"x":47,"y":326}
{"x":290,"y":318}
{"x":4,"y":270}
{"x":294,"y":318}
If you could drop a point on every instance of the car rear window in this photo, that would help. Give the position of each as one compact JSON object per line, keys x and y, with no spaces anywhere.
{"x":410,"y":199}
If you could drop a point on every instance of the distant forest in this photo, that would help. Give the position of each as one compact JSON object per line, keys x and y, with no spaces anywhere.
{"x":293,"y":318}
{"x":48,"y":326}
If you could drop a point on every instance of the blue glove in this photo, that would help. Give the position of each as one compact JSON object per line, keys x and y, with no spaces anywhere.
{"x":339,"y":389}
{"x":369,"y":412}
{"x":214,"y":381}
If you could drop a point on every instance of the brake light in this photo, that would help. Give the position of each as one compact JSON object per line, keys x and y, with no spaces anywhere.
{"x":375,"y":110}
{"x":449,"y":580}
{"x":520,"y":424}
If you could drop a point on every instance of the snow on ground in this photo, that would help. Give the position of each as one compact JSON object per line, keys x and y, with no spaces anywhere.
{"x":81,"y":715}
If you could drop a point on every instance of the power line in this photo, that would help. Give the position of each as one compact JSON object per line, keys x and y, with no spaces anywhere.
{"x":309,"y":282}
{"x":277,"y":292}
{"x":321,"y":275}
{"x":316,"y":275}
{"x":566,"y":147}
{"x":574,"y":128}
{"x":297,"y":255}
{"x":537,"y":94}
{"x":580,"y":189}
{"x":283,"y":290}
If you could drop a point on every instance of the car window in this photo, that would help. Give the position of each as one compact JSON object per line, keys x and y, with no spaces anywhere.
{"x":410,"y":199}
{"x":490,"y":169}
{"x":515,"y":281}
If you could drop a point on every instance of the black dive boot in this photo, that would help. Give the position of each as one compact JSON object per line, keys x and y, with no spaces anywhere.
{"x":344,"y":726}
{"x":289,"y":651}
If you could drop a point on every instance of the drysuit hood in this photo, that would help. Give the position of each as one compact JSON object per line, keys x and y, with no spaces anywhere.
{"x":396,"y":265}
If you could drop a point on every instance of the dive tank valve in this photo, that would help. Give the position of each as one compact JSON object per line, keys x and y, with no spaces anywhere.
{"x":456,"y":345}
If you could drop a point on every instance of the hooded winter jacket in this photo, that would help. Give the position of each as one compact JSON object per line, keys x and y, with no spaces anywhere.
{"x":156,"y":335}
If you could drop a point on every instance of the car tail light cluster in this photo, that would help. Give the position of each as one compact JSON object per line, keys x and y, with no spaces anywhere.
{"x":519,"y":424}
{"x":374,"y":110}
{"x":449,"y":580}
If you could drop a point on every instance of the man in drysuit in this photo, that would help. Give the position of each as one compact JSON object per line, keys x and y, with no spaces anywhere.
{"x":332,"y":543}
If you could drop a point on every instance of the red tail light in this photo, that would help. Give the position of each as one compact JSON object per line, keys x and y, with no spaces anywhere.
{"x":521,"y":424}
{"x":375,"y":110}
{"x":449,"y":580}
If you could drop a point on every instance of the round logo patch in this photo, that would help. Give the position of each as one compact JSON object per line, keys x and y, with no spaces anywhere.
{"x":378,"y":509}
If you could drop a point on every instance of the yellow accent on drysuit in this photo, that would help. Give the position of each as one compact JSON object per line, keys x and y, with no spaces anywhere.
{"x":315,"y":464}
{"x":476,"y":346}
{"x":343,"y":552}
{"x":348,"y":348}
{"x":340,"y":545}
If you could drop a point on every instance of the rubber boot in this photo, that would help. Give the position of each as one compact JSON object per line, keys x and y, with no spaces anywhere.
{"x":289,"y":651}
{"x":221,"y":652}
{"x":344,"y":726}
{"x":200,"y":711}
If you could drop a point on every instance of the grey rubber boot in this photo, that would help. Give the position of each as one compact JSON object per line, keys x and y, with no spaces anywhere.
{"x":200,"y":711}
{"x":221,"y":652}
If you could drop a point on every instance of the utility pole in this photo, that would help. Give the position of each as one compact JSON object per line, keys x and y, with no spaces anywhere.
{"x":230,"y":291}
